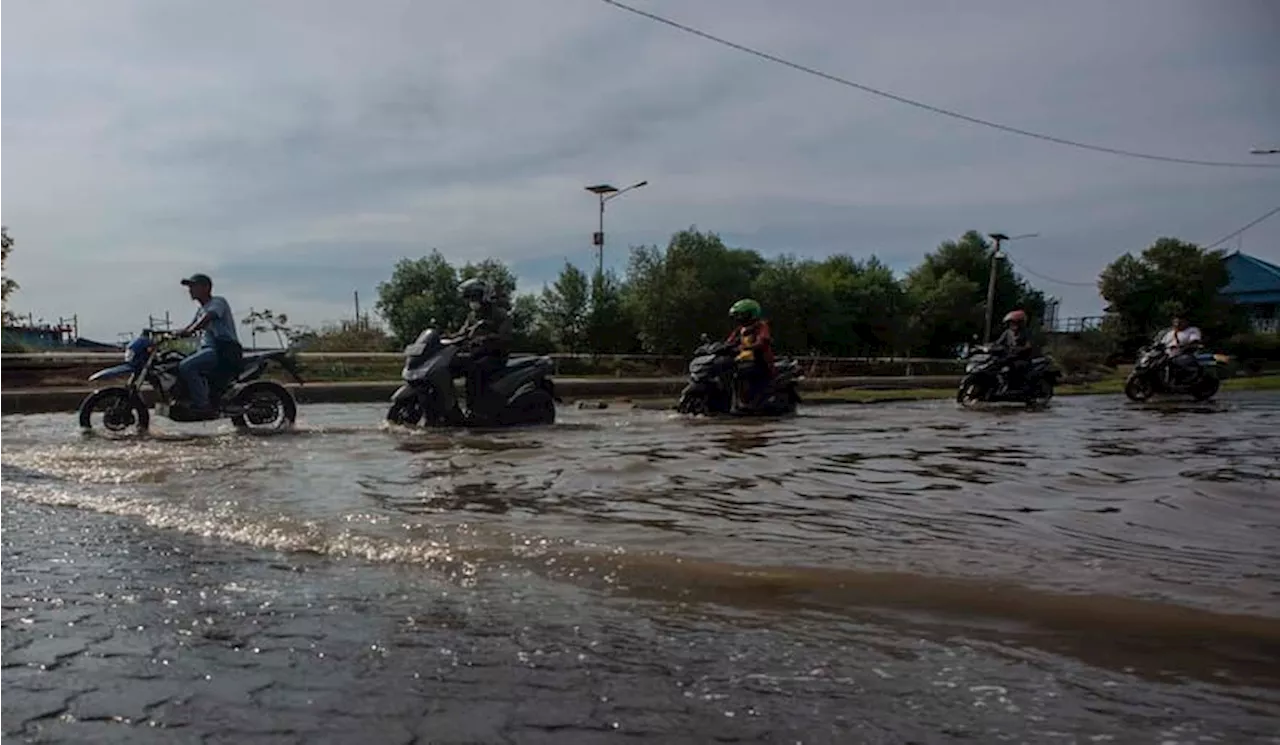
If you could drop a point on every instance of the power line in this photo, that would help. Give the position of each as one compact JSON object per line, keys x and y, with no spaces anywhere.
{"x":1240,"y":231}
{"x":931,"y":108}
{"x":1231,"y":235}
{"x":1049,"y":279}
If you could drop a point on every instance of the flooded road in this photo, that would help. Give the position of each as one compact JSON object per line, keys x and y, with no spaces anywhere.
{"x":898,"y":573}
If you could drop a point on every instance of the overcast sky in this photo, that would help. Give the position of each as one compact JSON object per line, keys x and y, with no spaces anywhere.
{"x":295,"y":149}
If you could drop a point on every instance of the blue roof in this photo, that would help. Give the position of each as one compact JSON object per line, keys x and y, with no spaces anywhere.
{"x":1252,"y":279}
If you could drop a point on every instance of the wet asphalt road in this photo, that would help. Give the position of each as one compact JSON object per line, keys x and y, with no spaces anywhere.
{"x":906,"y":573}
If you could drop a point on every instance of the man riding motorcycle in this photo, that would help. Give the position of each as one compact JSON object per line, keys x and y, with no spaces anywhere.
{"x":756,"y":343}
{"x":220,"y":350}
{"x":1018,"y":350}
{"x":485,"y":337}
{"x":1180,"y":343}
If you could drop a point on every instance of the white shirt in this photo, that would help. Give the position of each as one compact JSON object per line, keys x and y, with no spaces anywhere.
{"x":1174,"y":339}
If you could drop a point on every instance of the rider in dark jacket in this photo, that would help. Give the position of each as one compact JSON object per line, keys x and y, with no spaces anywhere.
{"x":485,"y":338}
{"x":1018,"y":350}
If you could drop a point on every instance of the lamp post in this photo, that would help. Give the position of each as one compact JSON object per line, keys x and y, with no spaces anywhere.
{"x":1266,"y":151}
{"x":991,"y":279}
{"x":606,"y":192}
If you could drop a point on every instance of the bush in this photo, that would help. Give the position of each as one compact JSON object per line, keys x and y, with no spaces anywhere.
{"x":348,"y":336}
{"x":1254,"y":352}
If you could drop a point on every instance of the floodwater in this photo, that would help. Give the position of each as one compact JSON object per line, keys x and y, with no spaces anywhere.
{"x":1096,"y":572}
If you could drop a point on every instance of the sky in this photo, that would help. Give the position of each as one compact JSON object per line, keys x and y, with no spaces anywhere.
{"x":296,"y":149}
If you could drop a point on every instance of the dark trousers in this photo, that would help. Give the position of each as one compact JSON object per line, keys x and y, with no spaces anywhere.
{"x":479,"y":371}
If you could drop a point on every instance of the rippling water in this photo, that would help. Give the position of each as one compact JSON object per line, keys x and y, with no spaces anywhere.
{"x":1139,"y":538}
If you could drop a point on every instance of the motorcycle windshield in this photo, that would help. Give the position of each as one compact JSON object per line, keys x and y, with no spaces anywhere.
{"x":425,"y":344}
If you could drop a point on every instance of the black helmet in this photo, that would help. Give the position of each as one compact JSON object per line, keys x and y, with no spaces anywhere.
{"x":474,"y":289}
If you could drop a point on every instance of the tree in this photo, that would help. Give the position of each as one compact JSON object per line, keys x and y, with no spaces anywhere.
{"x":609,"y":327}
{"x":6,"y":245}
{"x":797,"y":305}
{"x":1142,"y":293}
{"x":501,"y":280}
{"x":870,"y":308}
{"x":529,"y":332}
{"x":565,"y":307}
{"x":419,"y":292}
{"x":948,"y":291}
{"x":676,"y":295}
{"x":264,"y":321}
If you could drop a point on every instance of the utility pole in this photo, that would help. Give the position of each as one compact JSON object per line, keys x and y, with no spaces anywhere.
{"x":606,"y":192}
{"x":356,"y":293}
{"x":991,"y":279}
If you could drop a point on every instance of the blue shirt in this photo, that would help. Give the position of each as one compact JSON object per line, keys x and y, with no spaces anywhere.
{"x":223,"y":325}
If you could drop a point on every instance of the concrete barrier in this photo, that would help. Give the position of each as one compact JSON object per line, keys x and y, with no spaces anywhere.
{"x":47,"y":400}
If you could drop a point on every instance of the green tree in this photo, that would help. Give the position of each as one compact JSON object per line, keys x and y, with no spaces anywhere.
{"x":796,"y":303}
{"x":676,"y":295}
{"x":609,"y":328}
{"x":565,"y":307}
{"x":1143,"y":292}
{"x":420,"y":291}
{"x":498,"y":275}
{"x":870,"y":308}
{"x":530,"y":333}
{"x":6,"y":245}
{"x":949,"y":293}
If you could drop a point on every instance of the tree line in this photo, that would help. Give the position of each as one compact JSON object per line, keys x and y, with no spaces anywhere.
{"x":668,"y":297}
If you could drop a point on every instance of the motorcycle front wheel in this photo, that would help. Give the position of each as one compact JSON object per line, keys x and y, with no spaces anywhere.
{"x":969,"y":393}
{"x":269,"y":407}
{"x":121,"y":410}
{"x":1138,"y":388}
{"x":406,"y":413}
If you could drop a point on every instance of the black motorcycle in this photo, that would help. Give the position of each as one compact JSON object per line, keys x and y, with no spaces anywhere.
{"x":1154,"y":373}
{"x":520,"y":393}
{"x":715,"y":382}
{"x":986,"y":379}
{"x":251,"y":403}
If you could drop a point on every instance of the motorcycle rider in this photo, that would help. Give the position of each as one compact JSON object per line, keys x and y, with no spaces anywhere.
{"x":1016,"y":344}
{"x":486,"y":339}
{"x":753,"y":338}
{"x":219,"y":349}
{"x":1180,"y":343}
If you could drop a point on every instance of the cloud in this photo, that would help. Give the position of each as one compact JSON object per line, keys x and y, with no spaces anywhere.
{"x":297,"y":149}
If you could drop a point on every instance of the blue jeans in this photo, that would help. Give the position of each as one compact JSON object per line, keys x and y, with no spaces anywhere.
{"x":194,"y":371}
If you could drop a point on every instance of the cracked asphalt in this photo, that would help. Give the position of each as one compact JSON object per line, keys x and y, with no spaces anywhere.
{"x":116,"y":632}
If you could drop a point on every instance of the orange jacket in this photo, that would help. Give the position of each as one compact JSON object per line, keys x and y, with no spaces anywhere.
{"x":755,"y":336}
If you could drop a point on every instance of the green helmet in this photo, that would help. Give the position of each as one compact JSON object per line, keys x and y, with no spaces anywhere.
{"x":745,"y":310}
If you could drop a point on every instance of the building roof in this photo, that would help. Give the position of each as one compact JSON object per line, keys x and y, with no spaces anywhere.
{"x":1252,"y":279}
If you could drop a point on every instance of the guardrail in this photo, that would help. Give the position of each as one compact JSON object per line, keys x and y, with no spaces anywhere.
{"x":97,"y":357}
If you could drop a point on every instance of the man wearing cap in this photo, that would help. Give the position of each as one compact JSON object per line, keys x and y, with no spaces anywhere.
{"x":219,"y":343}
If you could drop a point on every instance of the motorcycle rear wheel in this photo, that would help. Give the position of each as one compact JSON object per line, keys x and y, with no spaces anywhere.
{"x":269,"y":407}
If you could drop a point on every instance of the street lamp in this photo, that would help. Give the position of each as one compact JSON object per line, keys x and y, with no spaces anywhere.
{"x":606,"y":192}
{"x":1266,"y":151}
{"x":991,"y":279}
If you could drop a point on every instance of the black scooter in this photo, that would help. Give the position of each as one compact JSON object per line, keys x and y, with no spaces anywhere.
{"x":715,"y":373}
{"x":986,"y":379}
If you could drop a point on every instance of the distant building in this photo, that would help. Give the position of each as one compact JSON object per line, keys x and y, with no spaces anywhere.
{"x":1255,"y":285}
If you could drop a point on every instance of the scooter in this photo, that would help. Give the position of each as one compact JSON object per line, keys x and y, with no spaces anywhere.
{"x":1154,"y":373}
{"x":520,"y":393}
{"x":715,"y":381}
{"x":986,"y":379}
{"x":251,"y":403}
